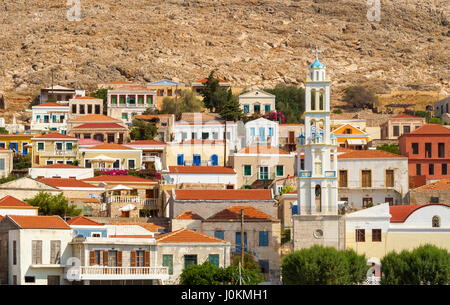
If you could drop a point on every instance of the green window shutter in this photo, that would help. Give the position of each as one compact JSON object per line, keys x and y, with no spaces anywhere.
{"x":114,"y":99}
{"x":40,"y":146}
{"x":141,"y":100}
{"x":214,"y":259}
{"x":247,"y":170}
{"x":280,"y":170}
{"x":190,"y":260}
{"x":168,"y":262}
{"x":122,"y":99}
{"x":124,"y":116}
{"x":149,"y":100}
{"x":68,"y":146}
{"x":267,"y":108}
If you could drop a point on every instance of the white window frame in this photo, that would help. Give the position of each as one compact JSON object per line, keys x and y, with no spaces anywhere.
{"x":92,"y":234}
{"x":135,"y":163}
{"x":120,"y":165}
{"x":37,"y":146}
{"x":62,"y":145}
{"x":243,"y":170}
{"x":259,"y":171}
{"x":47,"y":162}
{"x":276,"y":170}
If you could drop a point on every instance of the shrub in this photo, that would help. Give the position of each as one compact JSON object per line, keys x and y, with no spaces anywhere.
{"x":360,"y":97}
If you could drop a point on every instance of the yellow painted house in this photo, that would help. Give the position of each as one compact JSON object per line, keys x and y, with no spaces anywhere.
{"x":195,"y":152}
{"x":54,"y":148}
{"x":349,"y":136}
{"x":111,"y":156}
{"x":18,"y":143}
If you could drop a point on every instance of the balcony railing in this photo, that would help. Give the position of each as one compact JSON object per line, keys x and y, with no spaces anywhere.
{"x":116,"y":273}
{"x":148,"y":203}
{"x":150,"y":158}
{"x":65,"y":153}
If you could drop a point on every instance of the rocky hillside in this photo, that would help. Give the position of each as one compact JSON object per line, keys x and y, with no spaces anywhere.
{"x":252,"y":43}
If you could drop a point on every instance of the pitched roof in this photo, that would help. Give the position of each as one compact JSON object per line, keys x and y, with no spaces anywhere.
{"x":262,"y":149}
{"x":146,"y":142}
{"x":185,"y":235}
{"x":264,"y":194}
{"x":201,"y":170}
{"x":234,"y":213}
{"x":429,"y":129}
{"x":99,"y":125}
{"x":401,"y":212}
{"x":86,"y":98}
{"x":95,"y":118}
{"x":370,"y":154}
{"x":87,"y":200}
{"x":111,"y":146}
{"x":66,"y":182}
{"x":189,"y":215}
{"x":83,"y":221}
{"x":54,"y":135}
{"x":10,"y":201}
{"x":405,"y":116}
{"x":59,"y":165}
{"x":39,"y":222}
{"x":146,"y":225}
{"x":50,"y":104}
{"x":82,"y":142}
{"x":443,"y":184}
{"x":119,"y":179}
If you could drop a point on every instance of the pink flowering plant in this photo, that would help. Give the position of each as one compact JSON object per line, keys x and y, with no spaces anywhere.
{"x":275,"y":116}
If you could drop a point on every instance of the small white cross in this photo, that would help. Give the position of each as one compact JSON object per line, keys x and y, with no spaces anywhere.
{"x":317,"y":51}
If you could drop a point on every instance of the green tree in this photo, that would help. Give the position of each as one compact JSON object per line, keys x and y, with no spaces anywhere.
{"x":357,"y":266}
{"x":8,"y":178}
{"x":204,"y":274}
{"x":250,"y":269}
{"x":3,"y":130}
{"x":392,"y":148}
{"x":53,"y":205}
{"x":142,"y":130}
{"x":187,"y":102}
{"x":209,"y":91}
{"x":435,"y":121}
{"x":103,"y":94}
{"x":359,"y":97}
{"x":21,"y":162}
{"x":231,"y":110}
{"x":322,"y":266}
{"x":289,"y":100}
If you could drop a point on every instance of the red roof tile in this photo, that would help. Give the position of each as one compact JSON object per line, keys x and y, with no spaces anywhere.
{"x":39,"y":222}
{"x":59,"y":165}
{"x":87,"y":200}
{"x":89,"y":142}
{"x":66,"y":182}
{"x":83,"y":221}
{"x":131,"y":236}
{"x":10,"y":201}
{"x":201,"y":170}
{"x":122,"y":179}
{"x":189,"y":215}
{"x":95,"y":118}
{"x":146,"y":225}
{"x":99,"y":125}
{"x":400,"y":213}
{"x":443,"y":184}
{"x":223,"y":194}
{"x":50,"y":104}
{"x":54,"y":135}
{"x":405,"y":116}
{"x":262,"y":149}
{"x":86,"y":98}
{"x":234,"y":212}
{"x":187,"y":236}
{"x":429,"y":129}
{"x":370,"y":154}
{"x":111,"y":146}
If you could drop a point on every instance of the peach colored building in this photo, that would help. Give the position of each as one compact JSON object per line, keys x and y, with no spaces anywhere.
{"x":400,"y":124}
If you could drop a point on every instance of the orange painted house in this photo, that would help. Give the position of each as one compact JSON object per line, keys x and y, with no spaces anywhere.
{"x":349,"y":136}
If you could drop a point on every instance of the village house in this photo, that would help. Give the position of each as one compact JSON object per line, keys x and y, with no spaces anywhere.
{"x":6,"y":162}
{"x":435,"y":192}
{"x":256,"y":101}
{"x":288,"y":134}
{"x":352,"y":137}
{"x":441,"y":109}
{"x":261,"y":131}
{"x":49,"y":117}
{"x":152,"y":152}
{"x":18,"y":143}
{"x":84,"y":105}
{"x":71,"y":187}
{"x":59,"y":94}
{"x":111,"y":156}
{"x":372,"y":177}
{"x":91,"y":207}
{"x":10,"y":205}
{"x":60,"y":171}
{"x":125,"y":103}
{"x":98,"y":127}
{"x":164,"y":124}
{"x":26,"y":188}
{"x":197,"y":86}
{"x":400,"y":124}
{"x":428,"y":153}
{"x":258,"y":166}
{"x":53,"y":148}
{"x":165,"y":88}
{"x":201,"y":176}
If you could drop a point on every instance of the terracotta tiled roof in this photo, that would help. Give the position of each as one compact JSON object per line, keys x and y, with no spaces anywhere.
{"x":201,"y":170}
{"x":86,"y":98}
{"x":146,"y":225}
{"x":55,"y":135}
{"x":146,"y":142}
{"x":88,"y":142}
{"x":10,"y":201}
{"x":400,"y":213}
{"x":50,"y":104}
{"x":83,"y":221}
{"x":404,"y":116}
{"x":152,"y":116}
{"x":429,"y":129}
{"x":189,"y":215}
{"x":111,"y":146}
{"x":370,"y":154}
{"x":203,"y":142}
{"x":99,"y":125}
{"x":95,"y":118}
{"x":187,"y":236}
{"x":122,"y":179}
{"x":131,"y":236}
{"x":234,"y":212}
{"x":39,"y":222}
{"x":59,"y":165}
{"x":66,"y":182}
{"x":443,"y":184}
{"x":262,"y":149}
{"x":224,"y":194}
{"x":87,"y":200}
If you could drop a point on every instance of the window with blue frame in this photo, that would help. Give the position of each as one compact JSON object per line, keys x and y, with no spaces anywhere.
{"x":215,"y":160}
{"x":214,"y":259}
{"x":252,"y":131}
{"x":295,"y":209}
{"x":196,"y":160}
{"x":24,"y":148}
{"x":219,"y":234}
{"x":263,"y":239}
{"x":270,"y":131}
{"x":238,"y":241}
{"x":262,"y":133}
{"x":246,"y":109}
{"x":180,"y":159}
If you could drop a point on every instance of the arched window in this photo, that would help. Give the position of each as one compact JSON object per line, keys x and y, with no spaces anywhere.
{"x":318,"y":193}
{"x":436,"y":222}
{"x":313,"y":99}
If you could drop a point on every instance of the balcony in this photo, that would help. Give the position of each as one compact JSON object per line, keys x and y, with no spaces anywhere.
{"x":65,"y":153}
{"x":150,"y":158}
{"x":82,"y":273}
{"x":147,"y":203}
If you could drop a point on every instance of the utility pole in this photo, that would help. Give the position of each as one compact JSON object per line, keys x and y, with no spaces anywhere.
{"x":242,"y":238}
{"x":225,"y":145}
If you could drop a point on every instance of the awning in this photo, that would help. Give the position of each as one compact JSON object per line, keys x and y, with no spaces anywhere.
{"x":103,"y":158}
{"x":121,"y":187}
{"x":356,"y":142}
{"x":128,"y":207}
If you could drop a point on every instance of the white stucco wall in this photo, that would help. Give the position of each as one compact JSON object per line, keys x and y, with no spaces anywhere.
{"x":203,"y":178}
{"x":78,"y":173}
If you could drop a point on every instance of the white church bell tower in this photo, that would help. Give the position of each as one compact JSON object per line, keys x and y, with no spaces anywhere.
{"x":317,"y":182}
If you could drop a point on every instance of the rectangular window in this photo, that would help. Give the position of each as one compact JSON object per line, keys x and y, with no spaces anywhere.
{"x":246,"y":109}
{"x":114,"y":99}
{"x":280,"y":170}
{"x":2,"y":164}
{"x":262,"y":133}
{"x":87,"y":164}
{"x":193,"y":135}
{"x":89,"y":109}
{"x":122,"y":99}
{"x":140,"y":258}
{"x":270,"y":131}
{"x":219,"y":234}
{"x":40,"y":146}
{"x":406,"y":129}
{"x":214,"y":259}
{"x":59,"y":146}
{"x":86,"y":136}
{"x":428,"y":150}
{"x":124,"y":116}
{"x":444,"y":168}
{"x":36,"y":246}
{"x":441,"y":150}
{"x":168,"y":262}
{"x":238,"y":241}
{"x":149,"y":99}
{"x":431,"y":169}
{"x":263,"y":173}
{"x":205,"y":135}
{"x":55,"y":251}
{"x":343,"y":182}
{"x":68,"y":146}
{"x":49,"y":162}
{"x":82,"y":109}
{"x":264,"y":266}
{"x":116,"y":164}
{"x":389,"y":200}
{"x":418,"y":169}
{"x":415,"y":148}
{"x":267,"y":108}
{"x":112,"y":258}
{"x":396,"y":131}
{"x":366,"y":202}
{"x":215,"y":135}
{"x":190,"y":260}
{"x":263,"y":239}
{"x":141,"y":99}
{"x":131,"y":100}
{"x":131,"y":164}
{"x":180,"y":159}
{"x":30,"y":279}
{"x":74,"y":108}
{"x":360,"y":235}
{"x":376,"y":234}
{"x":14,"y":252}
{"x":252,"y":132}
{"x":389,"y":178}
{"x":366,"y":178}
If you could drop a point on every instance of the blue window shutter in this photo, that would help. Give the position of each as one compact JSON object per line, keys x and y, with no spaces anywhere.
{"x":294,"y":209}
{"x":219,"y":234}
{"x":180,"y":160}
{"x":214,"y":160}
{"x":263,"y":239}
{"x":2,"y":164}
